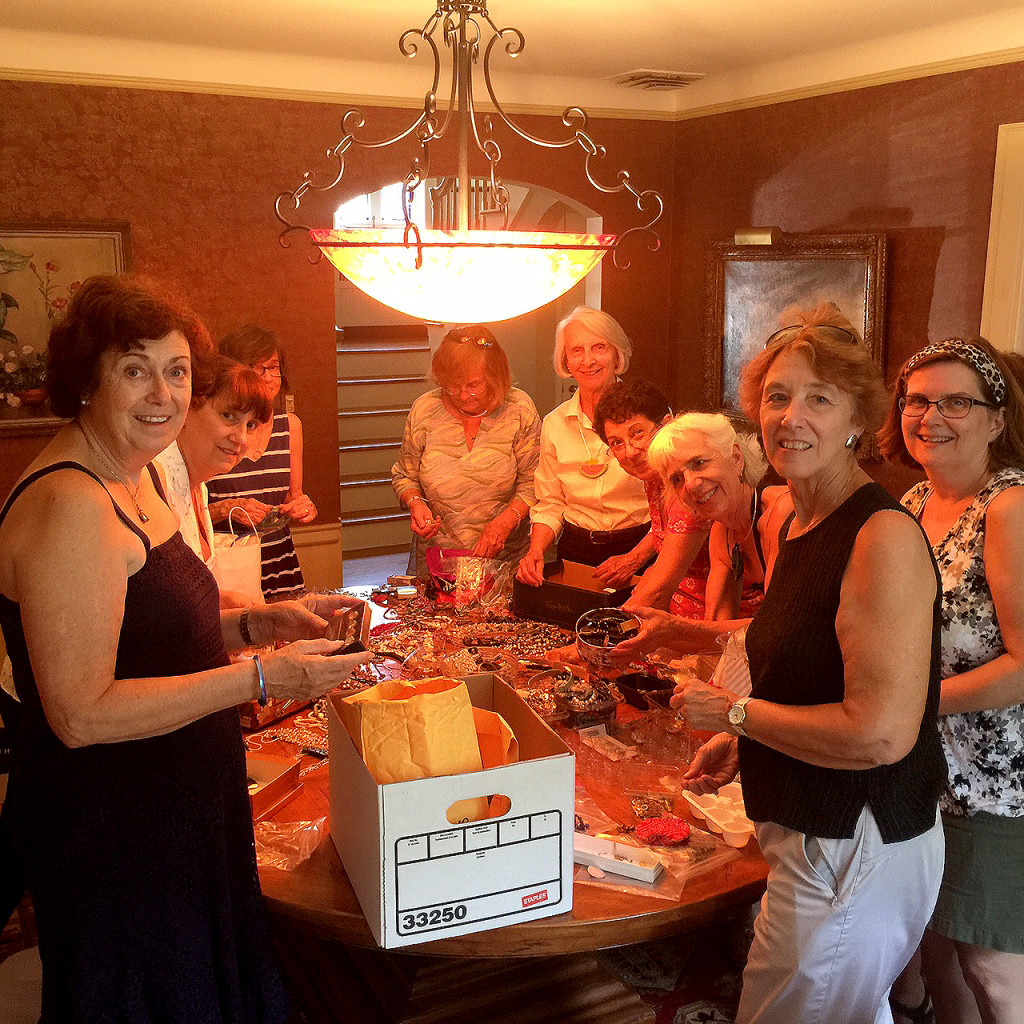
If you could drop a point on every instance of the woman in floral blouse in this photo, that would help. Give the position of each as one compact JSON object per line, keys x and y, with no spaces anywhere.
{"x":958,"y":413}
{"x":469,"y":453}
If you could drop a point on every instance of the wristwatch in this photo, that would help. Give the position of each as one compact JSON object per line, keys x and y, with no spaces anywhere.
{"x":738,"y":715}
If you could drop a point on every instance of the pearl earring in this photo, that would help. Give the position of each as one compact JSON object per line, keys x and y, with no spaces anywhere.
{"x":84,"y":401}
{"x":851,"y":441}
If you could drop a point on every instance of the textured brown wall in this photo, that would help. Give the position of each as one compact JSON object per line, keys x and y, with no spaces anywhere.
{"x":196,"y":175}
{"x":913,"y":159}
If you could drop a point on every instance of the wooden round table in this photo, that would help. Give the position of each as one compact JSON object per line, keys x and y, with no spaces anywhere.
{"x":543,"y":970}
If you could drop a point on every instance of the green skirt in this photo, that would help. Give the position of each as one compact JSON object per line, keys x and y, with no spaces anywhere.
{"x":983,"y":882}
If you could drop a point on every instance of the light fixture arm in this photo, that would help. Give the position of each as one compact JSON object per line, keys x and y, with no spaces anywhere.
{"x":460,"y":24}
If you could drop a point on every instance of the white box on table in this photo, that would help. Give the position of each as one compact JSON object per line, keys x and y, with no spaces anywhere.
{"x":419,"y":877}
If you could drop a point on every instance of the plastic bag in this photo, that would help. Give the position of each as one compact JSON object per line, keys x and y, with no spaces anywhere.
{"x":468,"y":581}
{"x":733,"y":671}
{"x":287,"y":844}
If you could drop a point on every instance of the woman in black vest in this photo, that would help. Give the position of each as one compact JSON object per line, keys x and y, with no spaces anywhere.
{"x":837,"y":741}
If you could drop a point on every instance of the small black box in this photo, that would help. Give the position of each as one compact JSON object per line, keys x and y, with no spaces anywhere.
{"x":569,"y":590}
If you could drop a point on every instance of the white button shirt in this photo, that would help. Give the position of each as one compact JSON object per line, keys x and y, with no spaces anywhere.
{"x":612,"y":501}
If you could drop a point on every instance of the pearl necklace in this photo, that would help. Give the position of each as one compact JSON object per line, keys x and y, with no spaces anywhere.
{"x":111,"y":469}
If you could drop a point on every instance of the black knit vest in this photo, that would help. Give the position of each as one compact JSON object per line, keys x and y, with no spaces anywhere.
{"x":795,"y":659}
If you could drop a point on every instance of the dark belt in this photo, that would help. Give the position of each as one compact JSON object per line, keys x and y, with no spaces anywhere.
{"x":605,"y":536}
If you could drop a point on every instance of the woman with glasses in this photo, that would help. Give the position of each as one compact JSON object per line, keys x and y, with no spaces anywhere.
{"x":958,"y":414}
{"x":585,"y":499}
{"x":469,"y":454}
{"x":716,"y":473}
{"x":627,"y":418}
{"x":271,"y":477}
{"x":837,"y":742}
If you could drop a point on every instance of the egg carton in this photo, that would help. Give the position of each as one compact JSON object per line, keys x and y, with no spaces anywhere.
{"x":724,"y":813}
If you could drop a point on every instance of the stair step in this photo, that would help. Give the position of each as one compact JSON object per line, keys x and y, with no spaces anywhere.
{"x":417,"y":379}
{"x":361,"y":480}
{"x":391,"y":410}
{"x":375,"y":516}
{"x":376,"y":445}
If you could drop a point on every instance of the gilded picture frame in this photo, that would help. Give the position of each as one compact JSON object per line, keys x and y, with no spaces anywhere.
{"x":42,"y":263}
{"x":750,"y":286}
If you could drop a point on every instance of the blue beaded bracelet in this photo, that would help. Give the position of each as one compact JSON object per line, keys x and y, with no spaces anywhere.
{"x":262,"y":679}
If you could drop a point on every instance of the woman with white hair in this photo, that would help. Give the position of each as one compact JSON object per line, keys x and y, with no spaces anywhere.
{"x":596,"y":510}
{"x":717,"y":471}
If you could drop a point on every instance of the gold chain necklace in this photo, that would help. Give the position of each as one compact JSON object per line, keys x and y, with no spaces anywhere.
{"x":112,"y":470}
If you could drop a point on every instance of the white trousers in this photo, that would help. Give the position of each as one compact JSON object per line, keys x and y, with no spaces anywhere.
{"x":838,"y":923}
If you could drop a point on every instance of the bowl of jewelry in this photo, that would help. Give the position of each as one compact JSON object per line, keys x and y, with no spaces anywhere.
{"x":600,"y":631}
{"x":586,"y":702}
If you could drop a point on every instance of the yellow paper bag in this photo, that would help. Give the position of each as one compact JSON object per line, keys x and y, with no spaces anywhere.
{"x":413,"y":729}
{"x":498,"y":746}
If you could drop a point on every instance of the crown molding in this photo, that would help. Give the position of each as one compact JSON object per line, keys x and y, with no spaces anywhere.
{"x":943,"y":67}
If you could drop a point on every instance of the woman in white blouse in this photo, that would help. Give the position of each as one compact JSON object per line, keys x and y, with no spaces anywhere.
{"x":229,"y":405}
{"x":585,"y":499}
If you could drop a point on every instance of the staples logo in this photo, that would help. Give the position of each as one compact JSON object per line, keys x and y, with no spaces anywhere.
{"x":534,"y":898}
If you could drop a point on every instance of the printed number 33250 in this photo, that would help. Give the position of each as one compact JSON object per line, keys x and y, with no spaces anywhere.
{"x":439,"y":915}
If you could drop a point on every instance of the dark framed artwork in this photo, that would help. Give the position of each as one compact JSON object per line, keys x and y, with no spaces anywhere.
{"x":750,"y":286}
{"x":42,"y":264}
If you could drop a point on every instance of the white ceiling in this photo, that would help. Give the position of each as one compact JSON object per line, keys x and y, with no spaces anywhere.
{"x":748,"y":49}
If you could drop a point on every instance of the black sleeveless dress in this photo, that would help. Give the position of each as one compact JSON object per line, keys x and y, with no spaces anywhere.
{"x":139,"y":855}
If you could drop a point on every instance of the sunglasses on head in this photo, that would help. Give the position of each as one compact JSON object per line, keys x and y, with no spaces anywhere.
{"x":471,"y":339}
{"x":840,"y":334}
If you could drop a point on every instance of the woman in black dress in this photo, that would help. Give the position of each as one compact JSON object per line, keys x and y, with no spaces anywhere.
{"x":128,"y":797}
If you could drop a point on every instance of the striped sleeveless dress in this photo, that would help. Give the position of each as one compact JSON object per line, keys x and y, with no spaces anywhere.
{"x":267,"y":480}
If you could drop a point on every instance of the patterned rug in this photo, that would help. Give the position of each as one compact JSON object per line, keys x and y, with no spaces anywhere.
{"x":689,"y":979}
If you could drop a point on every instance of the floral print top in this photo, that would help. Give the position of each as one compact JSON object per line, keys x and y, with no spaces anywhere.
{"x":984,"y":749}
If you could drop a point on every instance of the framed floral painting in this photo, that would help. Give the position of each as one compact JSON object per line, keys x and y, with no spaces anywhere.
{"x":42,"y":264}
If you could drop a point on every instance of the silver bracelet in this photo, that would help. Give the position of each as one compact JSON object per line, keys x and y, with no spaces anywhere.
{"x":262,"y":680}
{"x":517,"y":514}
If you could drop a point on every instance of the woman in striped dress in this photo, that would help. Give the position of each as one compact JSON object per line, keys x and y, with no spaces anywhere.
{"x":272,"y":478}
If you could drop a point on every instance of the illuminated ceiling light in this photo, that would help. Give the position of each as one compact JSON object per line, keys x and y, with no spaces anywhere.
{"x":459,"y":271}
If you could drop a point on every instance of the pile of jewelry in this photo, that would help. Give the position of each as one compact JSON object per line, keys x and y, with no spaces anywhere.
{"x":588,"y":701}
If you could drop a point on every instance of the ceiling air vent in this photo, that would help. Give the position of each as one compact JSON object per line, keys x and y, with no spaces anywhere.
{"x":645,"y":78}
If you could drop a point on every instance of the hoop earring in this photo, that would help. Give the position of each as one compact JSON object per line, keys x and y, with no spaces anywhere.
{"x":851,"y":441}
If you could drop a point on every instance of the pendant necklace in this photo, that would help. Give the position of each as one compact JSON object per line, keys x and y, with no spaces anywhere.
{"x":123,"y":481}
{"x":738,"y":565}
{"x":594,"y":466}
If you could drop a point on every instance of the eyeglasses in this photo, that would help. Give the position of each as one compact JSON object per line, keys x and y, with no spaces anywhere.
{"x":840,"y":334}
{"x":474,"y":390}
{"x":267,"y":369}
{"x":639,"y":438}
{"x":952,"y":407}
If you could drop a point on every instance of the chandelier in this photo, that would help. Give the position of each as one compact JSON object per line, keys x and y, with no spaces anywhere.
{"x":461,"y":269}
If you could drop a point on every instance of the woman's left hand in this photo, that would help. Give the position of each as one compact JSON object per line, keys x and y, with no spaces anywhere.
{"x":702,"y":705}
{"x":300,"y":509}
{"x":714,"y":765}
{"x":618,"y":569}
{"x":304,"y":619}
{"x":492,"y":540}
